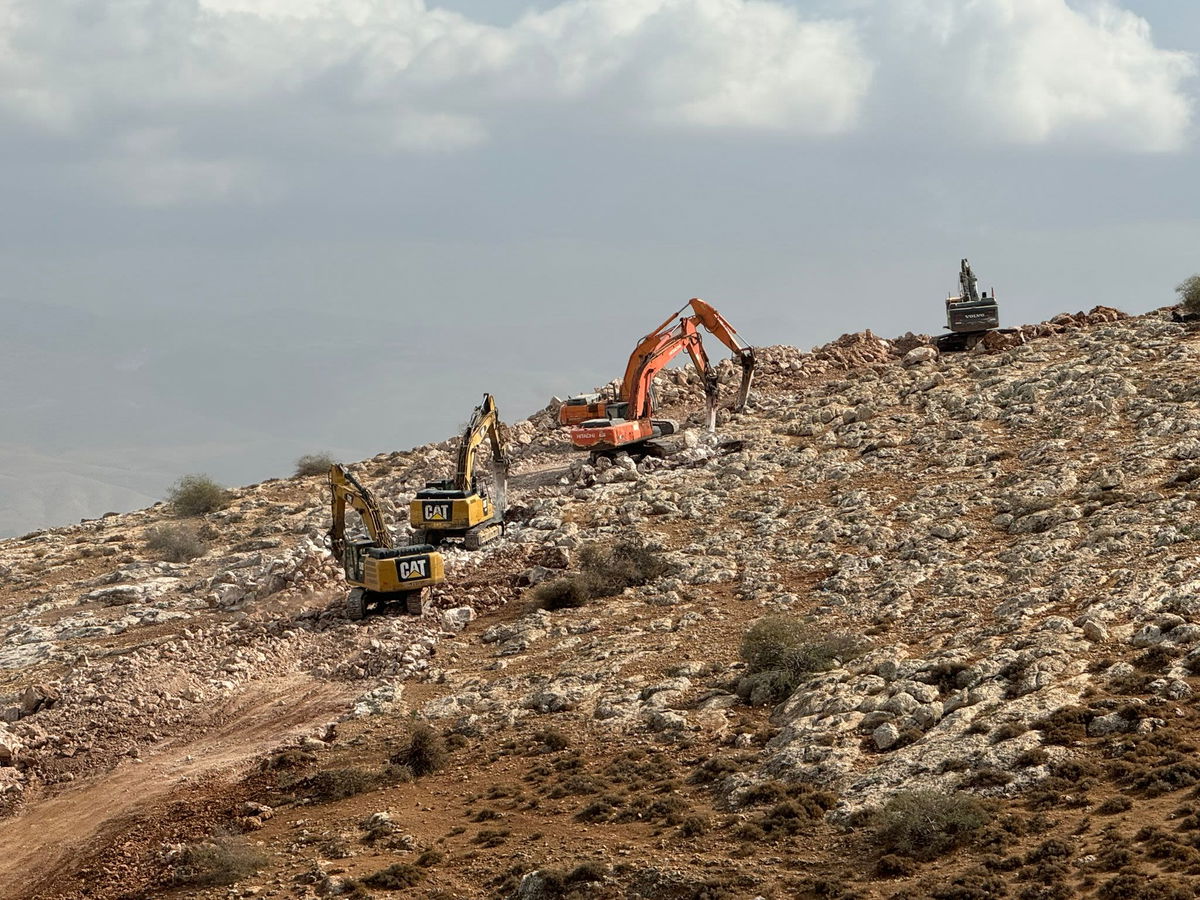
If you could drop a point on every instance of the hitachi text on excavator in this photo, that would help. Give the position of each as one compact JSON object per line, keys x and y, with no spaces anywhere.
{"x":459,"y":507}
{"x":627,"y":422}
{"x":378,"y":572}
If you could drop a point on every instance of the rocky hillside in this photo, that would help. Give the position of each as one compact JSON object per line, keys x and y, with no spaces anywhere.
{"x":910,"y":626}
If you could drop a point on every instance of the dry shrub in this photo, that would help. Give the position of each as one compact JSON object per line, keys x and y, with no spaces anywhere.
{"x":1144,"y":886}
{"x":291,"y":758}
{"x":1065,"y":726}
{"x":780,"y":651}
{"x":553,"y":739}
{"x":195,"y":495}
{"x":561,"y":593}
{"x":605,"y":570}
{"x":217,"y":862}
{"x":491,"y":837}
{"x":425,"y":753}
{"x":338,"y":784}
{"x":175,"y":543}
{"x":928,"y":824}
{"x":1114,"y":805}
{"x":314,"y":464}
{"x":395,"y":877}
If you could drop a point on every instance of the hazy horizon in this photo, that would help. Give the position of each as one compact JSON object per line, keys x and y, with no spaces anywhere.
{"x":244,"y":230}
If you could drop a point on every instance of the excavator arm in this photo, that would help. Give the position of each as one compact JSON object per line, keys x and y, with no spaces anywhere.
{"x":484,"y":424}
{"x":683,"y":337}
{"x":663,"y":338}
{"x":345,"y":491}
{"x":720,"y":328}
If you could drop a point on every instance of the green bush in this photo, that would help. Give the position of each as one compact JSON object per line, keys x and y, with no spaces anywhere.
{"x":217,"y":862}
{"x":175,"y":543}
{"x":605,"y":570}
{"x":314,"y":464}
{"x":1189,"y":293}
{"x":927,"y":824}
{"x":195,"y":495}
{"x":425,"y":753}
{"x":780,"y":651}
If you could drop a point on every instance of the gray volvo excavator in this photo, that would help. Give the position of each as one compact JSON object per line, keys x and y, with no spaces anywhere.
{"x":970,"y":315}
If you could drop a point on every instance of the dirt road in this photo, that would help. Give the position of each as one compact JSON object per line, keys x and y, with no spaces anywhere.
{"x":43,"y":841}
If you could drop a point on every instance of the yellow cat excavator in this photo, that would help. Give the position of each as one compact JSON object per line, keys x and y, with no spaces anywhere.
{"x":377,"y":571}
{"x":460,"y":507}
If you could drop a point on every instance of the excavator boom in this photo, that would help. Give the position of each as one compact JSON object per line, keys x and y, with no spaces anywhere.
{"x":629,"y":419}
{"x":345,"y":490}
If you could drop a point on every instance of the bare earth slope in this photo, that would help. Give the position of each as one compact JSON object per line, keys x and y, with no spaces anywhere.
{"x":1007,"y":537}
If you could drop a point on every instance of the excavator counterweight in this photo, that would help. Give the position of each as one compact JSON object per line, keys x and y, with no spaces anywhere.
{"x":459,"y":507}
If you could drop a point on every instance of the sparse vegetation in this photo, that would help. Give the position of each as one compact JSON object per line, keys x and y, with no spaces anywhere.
{"x":338,"y":784}
{"x":195,"y":495}
{"x":605,"y":570}
{"x":175,"y":543}
{"x":314,"y":464}
{"x":395,"y":877}
{"x":217,"y":862}
{"x":1189,"y":293}
{"x":424,"y":754}
{"x":780,"y":651}
{"x":291,"y":758}
{"x":927,"y":824}
{"x":552,"y":739}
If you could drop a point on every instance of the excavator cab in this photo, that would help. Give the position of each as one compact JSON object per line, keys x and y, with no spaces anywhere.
{"x":578,"y":409}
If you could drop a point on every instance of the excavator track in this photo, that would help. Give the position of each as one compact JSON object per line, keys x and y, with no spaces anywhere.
{"x":414,"y":603}
{"x":482,"y":534}
{"x":356,"y":604}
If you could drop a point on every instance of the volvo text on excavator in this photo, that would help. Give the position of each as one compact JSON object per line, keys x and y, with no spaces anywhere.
{"x":460,"y":507}
{"x":377,"y":571}
{"x":627,"y":423}
{"x":969,"y":316}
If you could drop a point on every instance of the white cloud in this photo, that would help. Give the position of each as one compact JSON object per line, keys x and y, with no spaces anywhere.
{"x":1031,"y":72}
{"x":379,"y":75}
{"x":244,"y":86}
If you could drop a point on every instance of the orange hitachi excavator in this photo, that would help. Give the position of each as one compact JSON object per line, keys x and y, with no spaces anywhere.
{"x":626,"y":423}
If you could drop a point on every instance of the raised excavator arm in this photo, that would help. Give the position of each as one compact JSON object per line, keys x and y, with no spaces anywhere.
{"x":458,"y":507}
{"x":629,"y":418}
{"x":345,"y":491}
{"x":484,"y":423}
{"x":637,"y":387}
{"x":967,"y":283}
{"x":591,"y":406}
{"x":652,"y":345}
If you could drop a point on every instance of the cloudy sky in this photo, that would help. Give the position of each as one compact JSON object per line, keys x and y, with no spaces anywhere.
{"x":237,"y":231}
